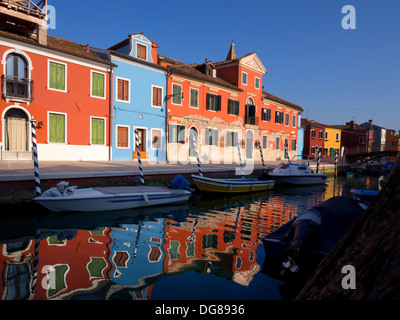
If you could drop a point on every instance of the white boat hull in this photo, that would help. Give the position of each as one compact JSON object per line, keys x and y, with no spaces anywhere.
{"x":113,"y":198}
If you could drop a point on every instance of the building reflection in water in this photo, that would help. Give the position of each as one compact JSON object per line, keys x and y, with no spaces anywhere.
{"x":124,"y":255}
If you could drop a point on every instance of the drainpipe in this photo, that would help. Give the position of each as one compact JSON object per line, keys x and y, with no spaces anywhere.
{"x":110,"y":95}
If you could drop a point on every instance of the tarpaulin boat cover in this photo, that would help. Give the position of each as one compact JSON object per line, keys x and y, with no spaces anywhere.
{"x":337,"y":216}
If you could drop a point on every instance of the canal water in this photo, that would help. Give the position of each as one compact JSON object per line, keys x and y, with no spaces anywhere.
{"x":207,"y":249}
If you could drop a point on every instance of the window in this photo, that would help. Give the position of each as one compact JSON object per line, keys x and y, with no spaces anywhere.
{"x":293,"y":144}
{"x":286,"y":119}
{"x":157,"y":96}
{"x":320,"y":134}
{"x":98,"y":85}
{"x":231,"y":138}
{"x":337,"y":136}
{"x":326,"y":135}
{"x":194,"y":98}
{"x":233,"y":107}
{"x":257,"y":83}
{"x":278,"y":117}
{"x":97,"y":130}
{"x":294,"y":121}
{"x":176,"y":133}
{"x":312,"y":150}
{"x":57,"y":76}
{"x":212,"y":137}
{"x":313,"y":135}
{"x":213,"y":102}
{"x":122,"y":137}
{"x":177,"y":94}
{"x":141,"y":52}
{"x":155,"y":138}
{"x":57,"y":127}
{"x":265,"y":114}
{"x":265,"y":144}
{"x":16,"y":82}
{"x":123,"y":90}
{"x":244,"y":78}
{"x":362,"y":140}
{"x":277,"y":143}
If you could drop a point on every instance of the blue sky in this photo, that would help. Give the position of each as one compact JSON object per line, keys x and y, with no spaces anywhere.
{"x":336,"y":75}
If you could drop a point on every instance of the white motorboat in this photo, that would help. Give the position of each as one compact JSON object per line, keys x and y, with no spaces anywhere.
{"x":295,"y":174}
{"x":110,"y":198}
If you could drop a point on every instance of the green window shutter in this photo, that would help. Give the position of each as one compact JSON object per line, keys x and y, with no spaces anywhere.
{"x":237,"y":108}
{"x":209,"y":101}
{"x":181,"y":134}
{"x":172,"y":133}
{"x":56,"y":127}
{"x":215,"y":137}
{"x":97,"y":131}
{"x":176,"y":94}
{"x":57,"y":76}
{"x":207,"y":137}
{"x":229,"y":138}
{"x":218,"y":103}
{"x":98,"y":84}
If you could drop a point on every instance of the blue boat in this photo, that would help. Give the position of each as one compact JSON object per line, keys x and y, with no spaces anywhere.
{"x":365,"y":196}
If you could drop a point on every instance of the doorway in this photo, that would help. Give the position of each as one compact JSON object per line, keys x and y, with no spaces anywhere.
{"x":142,"y":144}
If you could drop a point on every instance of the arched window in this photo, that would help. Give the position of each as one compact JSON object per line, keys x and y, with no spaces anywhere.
{"x":17,"y":83}
{"x":16,"y":66}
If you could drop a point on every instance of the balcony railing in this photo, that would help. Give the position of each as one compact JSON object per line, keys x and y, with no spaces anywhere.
{"x":251,"y":120}
{"x":17,"y":88}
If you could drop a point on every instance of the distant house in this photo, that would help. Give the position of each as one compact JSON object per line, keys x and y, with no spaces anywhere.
{"x":355,"y":138}
{"x":392,"y":142}
{"x":379,"y":135}
{"x":332,"y":141}
{"x":314,"y":133}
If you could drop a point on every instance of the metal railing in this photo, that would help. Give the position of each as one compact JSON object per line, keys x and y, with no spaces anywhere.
{"x":17,"y":88}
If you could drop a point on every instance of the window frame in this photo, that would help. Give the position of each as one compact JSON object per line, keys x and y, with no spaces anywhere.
{"x":129,"y":90}
{"x":190,"y":96}
{"x":128,"y":136}
{"x":236,"y":107}
{"x":139,"y":45}
{"x":161,"y":138}
{"x":216,"y":102}
{"x":152,"y":96}
{"x":104,"y":133}
{"x":171,"y":139}
{"x":268,"y":114}
{"x":294,"y":120}
{"x":104,"y":84}
{"x":257,"y":80}
{"x":176,"y":94}
{"x":246,"y":78}
{"x":65,"y":75}
{"x":65,"y":127}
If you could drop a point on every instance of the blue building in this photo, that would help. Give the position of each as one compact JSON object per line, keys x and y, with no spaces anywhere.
{"x":139,"y":90}
{"x":300,"y":139}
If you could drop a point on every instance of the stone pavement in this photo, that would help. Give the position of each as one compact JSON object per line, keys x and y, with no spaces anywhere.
{"x":23,"y":170}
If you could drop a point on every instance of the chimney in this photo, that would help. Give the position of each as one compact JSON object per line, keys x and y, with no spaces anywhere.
{"x":154,"y":52}
{"x":370,"y":124}
{"x":42,"y":34}
{"x":352,"y":125}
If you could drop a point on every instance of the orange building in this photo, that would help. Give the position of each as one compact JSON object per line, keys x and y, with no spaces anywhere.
{"x":222,"y":103}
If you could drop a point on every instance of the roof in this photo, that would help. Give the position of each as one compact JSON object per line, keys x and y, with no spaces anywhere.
{"x":190,"y":70}
{"x":311,"y":123}
{"x":58,"y":44}
{"x":138,"y":60}
{"x":270,"y":96}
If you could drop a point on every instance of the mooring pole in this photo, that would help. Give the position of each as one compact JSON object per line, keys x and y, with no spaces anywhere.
{"x":139,"y":159}
{"x":240,"y":156}
{"x":35,"y":159}
{"x":197,"y":154}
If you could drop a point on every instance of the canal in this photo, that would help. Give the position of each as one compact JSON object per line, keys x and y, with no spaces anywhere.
{"x":207,"y":249}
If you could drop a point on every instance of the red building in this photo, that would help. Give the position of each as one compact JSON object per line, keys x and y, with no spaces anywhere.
{"x":57,"y":82}
{"x":355,"y":138}
{"x":314,"y":133}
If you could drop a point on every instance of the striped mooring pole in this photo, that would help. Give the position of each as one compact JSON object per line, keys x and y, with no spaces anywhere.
{"x":262,"y":157}
{"x":139,"y":159}
{"x":318,"y":159}
{"x":35,"y":159}
{"x":196,"y":151}
{"x":240,"y":157}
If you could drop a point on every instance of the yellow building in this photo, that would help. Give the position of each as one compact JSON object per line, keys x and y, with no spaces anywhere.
{"x":332,"y":141}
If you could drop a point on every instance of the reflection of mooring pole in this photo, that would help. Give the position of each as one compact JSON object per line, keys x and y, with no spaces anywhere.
{"x":35,"y":159}
{"x":137,"y":240}
{"x":36,"y":260}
